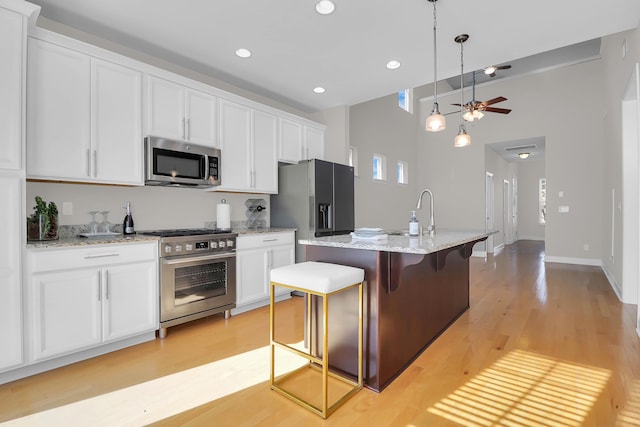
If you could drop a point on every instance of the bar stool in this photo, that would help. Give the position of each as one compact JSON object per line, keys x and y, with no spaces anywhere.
{"x":323,"y":280}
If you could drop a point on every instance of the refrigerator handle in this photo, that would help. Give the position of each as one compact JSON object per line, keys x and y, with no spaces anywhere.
{"x":330,"y":217}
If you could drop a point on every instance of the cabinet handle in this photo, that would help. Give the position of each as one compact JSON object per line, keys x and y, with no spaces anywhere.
{"x":106,"y":284}
{"x":99,"y":286}
{"x":88,"y":162}
{"x":183,"y":128}
{"x":101,"y":255}
{"x":269,"y":240}
{"x":188,"y":131}
{"x":95,"y":163}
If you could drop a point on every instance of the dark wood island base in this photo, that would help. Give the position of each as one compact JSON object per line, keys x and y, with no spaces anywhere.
{"x":410,"y":299}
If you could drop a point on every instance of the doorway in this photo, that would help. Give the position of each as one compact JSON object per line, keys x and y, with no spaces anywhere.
{"x":506,"y":235}
{"x":631,"y":191}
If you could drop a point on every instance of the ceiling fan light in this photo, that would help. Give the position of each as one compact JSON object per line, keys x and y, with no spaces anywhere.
{"x":477,"y":114}
{"x":469,"y":116}
{"x":523,"y":155}
{"x":436,"y":121}
{"x":462,"y":139}
{"x":490,"y":70}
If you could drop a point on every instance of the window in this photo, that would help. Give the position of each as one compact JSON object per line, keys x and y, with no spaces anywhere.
{"x":353,"y":159}
{"x":542,"y":201}
{"x":379,"y":167}
{"x":405,"y":100}
{"x":403,"y":173}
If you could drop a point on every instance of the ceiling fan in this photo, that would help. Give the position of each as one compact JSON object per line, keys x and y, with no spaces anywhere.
{"x":474,"y":110}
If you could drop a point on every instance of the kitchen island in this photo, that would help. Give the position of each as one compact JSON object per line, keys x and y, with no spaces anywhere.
{"x":415,"y":287}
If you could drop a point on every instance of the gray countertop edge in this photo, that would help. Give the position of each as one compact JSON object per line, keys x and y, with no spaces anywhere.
{"x":404,"y":244}
{"x":121,"y":239}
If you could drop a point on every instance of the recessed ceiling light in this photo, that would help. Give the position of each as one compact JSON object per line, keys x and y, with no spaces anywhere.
{"x":392,"y":65}
{"x":325,"y":7}
{"x":523,"y":155}
{"x":319,"y":89}
{"x":243,"y":53}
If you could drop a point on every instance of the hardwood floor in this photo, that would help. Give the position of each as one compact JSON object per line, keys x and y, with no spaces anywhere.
{"x":541,"y":345}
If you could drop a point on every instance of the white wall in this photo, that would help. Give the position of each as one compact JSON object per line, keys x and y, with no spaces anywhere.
{"x":549,"y":104}
{"x":336,"y":137}
{"x":529,"y":174}
{"x":381,"y":127}
{"x":152,"y":207}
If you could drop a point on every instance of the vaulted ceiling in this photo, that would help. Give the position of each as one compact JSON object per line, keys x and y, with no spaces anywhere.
{"x":294,"y":49}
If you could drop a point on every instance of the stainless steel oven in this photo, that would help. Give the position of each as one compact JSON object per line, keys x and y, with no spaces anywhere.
{"x":197,"y":275}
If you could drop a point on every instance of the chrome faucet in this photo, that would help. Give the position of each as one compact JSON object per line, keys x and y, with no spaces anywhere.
{"x":431,"y":228}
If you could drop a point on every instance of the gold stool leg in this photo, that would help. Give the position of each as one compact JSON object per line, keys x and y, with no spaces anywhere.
{"x":272,"y":331}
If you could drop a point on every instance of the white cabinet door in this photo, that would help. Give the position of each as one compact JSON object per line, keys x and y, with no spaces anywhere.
{"x":252,"y":275}
{"x":165,"y":109}
{"x":11,"y":85}
{"x":314,"y":143}
{"x":66,"y":310}
{"x":58,"y":111}
{"x":11,"y":230}
{"x":290,"y":144}
{"x":201,"y":118}
{"x":265,"y":163}
{"x":279,"y":257}
{"x":130,"y":298}
{"x":235,"y":138}
{"x":116,"y":125}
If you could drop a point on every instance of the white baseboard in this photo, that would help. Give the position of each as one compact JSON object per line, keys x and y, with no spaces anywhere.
{"x":617,"y":289}
{"x":531,"y":238}
{"x":480,"y":254}
{"x":570,"y":260}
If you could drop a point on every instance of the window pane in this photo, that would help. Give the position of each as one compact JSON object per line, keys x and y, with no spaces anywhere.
{"x":542,"y":201}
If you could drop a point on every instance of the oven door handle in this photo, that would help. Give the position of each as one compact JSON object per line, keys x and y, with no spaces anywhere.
{"x":181,"y":260}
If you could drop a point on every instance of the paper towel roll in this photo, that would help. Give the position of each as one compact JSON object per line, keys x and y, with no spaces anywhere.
{"x":223,"y":216}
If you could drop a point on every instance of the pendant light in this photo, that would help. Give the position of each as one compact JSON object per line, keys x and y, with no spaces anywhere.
{"x":436,"y":121}
{"x":462,"y":139}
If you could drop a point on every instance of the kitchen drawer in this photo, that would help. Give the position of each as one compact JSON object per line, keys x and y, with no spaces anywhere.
{"x":265,"y":239}
{"x":98,"y":255}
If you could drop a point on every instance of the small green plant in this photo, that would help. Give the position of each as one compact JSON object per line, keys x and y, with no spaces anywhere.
{"x":43,"y":223}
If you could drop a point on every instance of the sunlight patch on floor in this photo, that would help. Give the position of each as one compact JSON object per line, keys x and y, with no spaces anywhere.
{"x":526,"y":390}
{"x":164,"y":397}
{"x":630,"y":414}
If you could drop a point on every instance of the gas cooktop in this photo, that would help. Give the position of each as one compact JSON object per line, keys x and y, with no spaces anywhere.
{"x":185,"y":232}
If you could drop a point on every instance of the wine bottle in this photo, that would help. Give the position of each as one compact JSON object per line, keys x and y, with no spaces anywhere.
{"x":127,"y":224}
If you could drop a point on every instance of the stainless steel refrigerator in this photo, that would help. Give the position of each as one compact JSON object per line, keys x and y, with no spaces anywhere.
{"x":316,"y":197}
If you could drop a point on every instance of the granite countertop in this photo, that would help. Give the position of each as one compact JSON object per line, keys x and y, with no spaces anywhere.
{"x":120,"y":239}
{"x":416,"y":245}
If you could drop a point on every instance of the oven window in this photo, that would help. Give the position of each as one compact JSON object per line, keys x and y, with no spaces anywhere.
{"x":177,"y":164}
{"x":200,"y":282}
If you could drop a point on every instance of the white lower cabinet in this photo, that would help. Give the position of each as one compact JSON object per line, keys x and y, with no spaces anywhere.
{"x":85,"y":297}
{"x":256,"y":256}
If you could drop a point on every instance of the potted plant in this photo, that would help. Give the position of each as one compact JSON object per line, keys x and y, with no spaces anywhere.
{"x":43,"y":223}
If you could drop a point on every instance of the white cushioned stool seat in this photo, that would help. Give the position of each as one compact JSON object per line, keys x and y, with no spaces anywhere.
{"x":319,"y":277}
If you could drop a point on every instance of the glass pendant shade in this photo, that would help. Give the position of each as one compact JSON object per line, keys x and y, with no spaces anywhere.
{"x":462,"y":139}
{"x":473,"y":115}
{"x":436,"y":121}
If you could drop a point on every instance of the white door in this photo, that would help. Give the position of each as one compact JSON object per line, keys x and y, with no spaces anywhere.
{"x":11,"y":86}
{"x":66,"y":312}
{"x":514,"y":209}
{"x":505,"y":213}
{"x":130,"y":298}
{"x":165,"y":109}
{"x":264,"y":144}
{"x":252,"y":267}
{"x":58,"y":112}
{"x":489,"y":209}
{"x":11,"y":229}
{"x":290,"y":144}
{"x":201,"y":118}
{"x":280,"y":256}
{"x":314,"y":143}
{"x":235,"y":138}
{"x":116,"y":123}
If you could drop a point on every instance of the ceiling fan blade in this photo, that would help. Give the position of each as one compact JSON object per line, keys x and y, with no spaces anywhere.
{"x":494,"y":100}
{"x":498,"y":110}
{"x":503,"y":67}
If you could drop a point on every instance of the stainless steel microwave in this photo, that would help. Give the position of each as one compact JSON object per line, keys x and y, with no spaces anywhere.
{"x":175,"y":163}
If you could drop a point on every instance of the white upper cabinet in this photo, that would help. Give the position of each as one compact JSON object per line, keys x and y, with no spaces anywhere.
{"x":298,"y":141}
{"x":178,"y":112}
{"x":83,"y":117}
{"x":11,"y":86}
{"x":248,"y":141}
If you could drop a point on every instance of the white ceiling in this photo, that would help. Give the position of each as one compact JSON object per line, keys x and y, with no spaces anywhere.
{"x":295,"y":49}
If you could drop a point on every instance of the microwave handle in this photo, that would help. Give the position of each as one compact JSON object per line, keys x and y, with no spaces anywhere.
{"x":206,"y":167}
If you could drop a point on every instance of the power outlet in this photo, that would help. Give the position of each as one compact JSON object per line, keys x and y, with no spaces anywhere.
{"x":67,"y":208}
{"x":585,"y":247}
